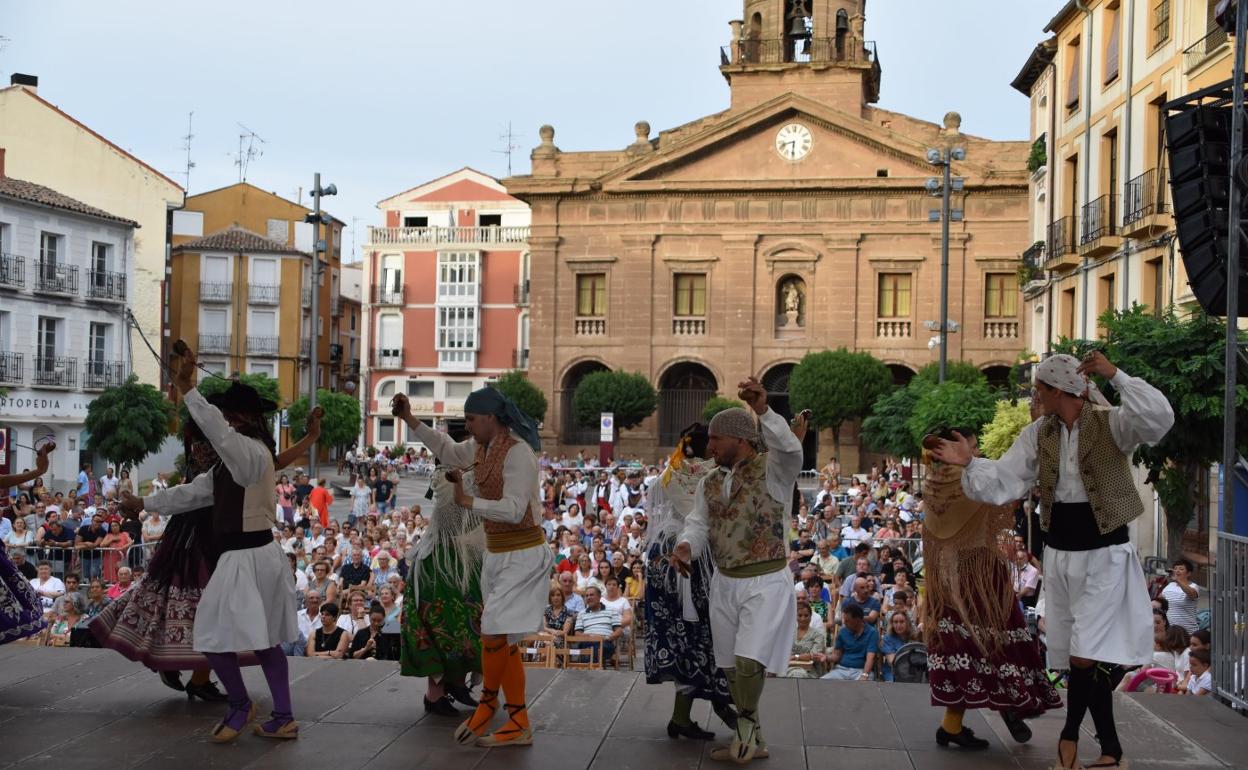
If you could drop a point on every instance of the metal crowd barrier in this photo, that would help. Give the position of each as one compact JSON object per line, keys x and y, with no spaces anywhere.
{"x":1229,"y":616}
{"x":96,"y":562}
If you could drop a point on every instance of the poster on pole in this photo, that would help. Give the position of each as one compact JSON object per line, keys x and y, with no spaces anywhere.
{"x":607,"y":426}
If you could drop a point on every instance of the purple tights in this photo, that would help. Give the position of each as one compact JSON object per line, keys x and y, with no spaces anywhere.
{"x":276,"y":673}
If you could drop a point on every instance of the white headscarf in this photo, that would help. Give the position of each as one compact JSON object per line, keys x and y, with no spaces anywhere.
{"x":1061,"y":371}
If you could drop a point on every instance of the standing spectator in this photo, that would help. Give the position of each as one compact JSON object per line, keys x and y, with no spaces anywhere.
{"x":361,"y":498}
{"x":84,"y":484}
{"x":87,"y":542}
{"x":19,"y":536}
{"x":1182,"y":595}
{"x":383,"y":494}
{"x":115,"y":545}
{"x":160,"y":482}
{"x":303,"y":489}
{"x":124,"y":484}
{"x":1026,"y":578}
{"x":286,"y":498}
{"x":58,"y":541}
{"x":108,"y":485}
{"x":853,"y":654}
{"x":153,"y":528}
{"x":320,"y":498}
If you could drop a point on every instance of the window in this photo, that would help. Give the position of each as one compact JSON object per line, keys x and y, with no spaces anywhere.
{"x":262,"y":323}
{"x":1108,"y":301}
{"x":1072,"y":75}
{"x":490,"y":220}
{"x":419,"y":389}
{"x":278,"y":230}
{"x":6,"y":330}
{"x":49,"y":248}
{"x":1154,"y":284}
{"x":1161,"y":22}
{"x":1066,"y":325}
{"x":1111,"y":20}
{"x":216,"y":270}
{"x":457,"y":276}
{"x":458,"y":389}
{"x":415,"y":221}
{"x":385,"y":430}
{"x":216,"y":367}
{"x":457,"y":328}
{"x":894,"y":295}
{"x":212,"y":321}
{"x":97,"y":342}
{"x":264,"y":272}
{"x":46,"y":341}
{"x":385,"y":390}
{"x":392,"y":273}
{"x":100,"y":257}
{"x":591,"y":294}
{"x":1111,"y":171}
{"x":268,"y":369}
{"x":1001,"y":295}
{"x":690,"y":294}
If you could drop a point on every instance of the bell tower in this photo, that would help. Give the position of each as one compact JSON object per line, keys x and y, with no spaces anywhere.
{"x":812,"y":47}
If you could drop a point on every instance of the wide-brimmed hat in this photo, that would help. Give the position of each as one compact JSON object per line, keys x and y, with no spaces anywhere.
{"x":241,"y":398}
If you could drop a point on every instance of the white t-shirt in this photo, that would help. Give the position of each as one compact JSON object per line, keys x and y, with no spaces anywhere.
{"x":53,"y":585}
{"x":851,"y":537}
{"x":108,"y":485}
{"x":573,"y":522}
{"x":301,"y":581}
{"x":617,"y":605}
{"x":1199,"y":684}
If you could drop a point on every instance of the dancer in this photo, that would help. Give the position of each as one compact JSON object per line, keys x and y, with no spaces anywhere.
{"x":442,"y":602}
{"x":740,"y":512}
{"x":1097,"y":608}
{"x":153,"y":623}
{"x":678,"y":629}
{"x":249,"y":602}
{"x":515,"y":571}
{"x":980,"y":653}
{"x":21,"y":611}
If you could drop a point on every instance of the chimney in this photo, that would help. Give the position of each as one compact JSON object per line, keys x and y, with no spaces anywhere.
{"x":30,"y":82}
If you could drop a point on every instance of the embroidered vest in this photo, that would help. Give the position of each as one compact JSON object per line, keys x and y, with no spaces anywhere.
{"x":1104,"y":469}
{"x":489,"y":477}
{"x":750,"y":529}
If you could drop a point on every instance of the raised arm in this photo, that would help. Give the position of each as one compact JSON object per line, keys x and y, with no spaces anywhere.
{"x":1008,"y":479}
{"x":458,"y":454}
{"x":246,"y":459}
{"x":174,"y":500}
{"x":1145,"y":415}
{"x":310,"y":436}
{"x":784,"y":454}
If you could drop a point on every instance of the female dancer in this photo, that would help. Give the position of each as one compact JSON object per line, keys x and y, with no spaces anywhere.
{"x":21,"y":612}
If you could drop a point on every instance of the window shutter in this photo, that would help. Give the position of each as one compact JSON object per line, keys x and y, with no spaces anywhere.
{"x":1111,"y":49}
{"x":1072,"y":82}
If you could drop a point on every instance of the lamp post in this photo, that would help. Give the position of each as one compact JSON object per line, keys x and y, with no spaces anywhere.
{"x":943,"y":186}
{"x":318,"y":248}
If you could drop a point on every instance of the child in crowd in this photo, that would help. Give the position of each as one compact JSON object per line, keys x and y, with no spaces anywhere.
{"x":1200,"y":682}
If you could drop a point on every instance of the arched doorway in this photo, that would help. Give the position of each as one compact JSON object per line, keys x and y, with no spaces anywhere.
{"x":683,"y":392}
{"x":902,"y":374}
{"x":572,"y":433}
{"x":776,"y":383}
{"x":998,"y":377}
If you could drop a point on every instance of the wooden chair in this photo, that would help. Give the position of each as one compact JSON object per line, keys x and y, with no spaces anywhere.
{"x":538,"y":651}
{"x":589,"y":658}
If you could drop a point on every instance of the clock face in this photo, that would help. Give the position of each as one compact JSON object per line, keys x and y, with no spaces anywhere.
{"x":794,"y":141}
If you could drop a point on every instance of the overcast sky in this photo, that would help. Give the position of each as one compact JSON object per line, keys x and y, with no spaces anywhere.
{"x":381,"y":95}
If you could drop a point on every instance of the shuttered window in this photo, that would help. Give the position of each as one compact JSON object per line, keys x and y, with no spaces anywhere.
{"x":1072,"y":76}
{"x":1112,"y":47}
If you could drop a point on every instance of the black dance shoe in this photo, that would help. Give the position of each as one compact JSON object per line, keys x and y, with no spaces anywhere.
{"x":462,"y":693}
{"x":442,"y":707}
{"x":690,"y":730}
{"x":205,"y":692}
{"x":1019,"y":730}
{"x":172,"y":680}
{"x":726,"y":715}
{"x":964,"y":738}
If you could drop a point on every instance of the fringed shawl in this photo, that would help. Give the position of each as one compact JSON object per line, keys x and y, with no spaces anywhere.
{"x":451,"y":528}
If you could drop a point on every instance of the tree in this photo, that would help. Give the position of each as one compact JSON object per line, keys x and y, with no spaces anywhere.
{"x":964,"y":372}
{"x":998,"y":436}
{"x":837,"y":385}
{"x":127,"y":423}
{"x":340,"y":426}
{"x":528,"y":397}
{"x":627,"y":395}
{"x":718,"y":404}
{"x":265,"y":385}
{"x":952,"y":406}
{"x":885,"y":429}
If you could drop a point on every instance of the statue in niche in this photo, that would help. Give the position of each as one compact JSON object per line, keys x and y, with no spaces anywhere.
{"x":792,"y":297}
{"x":791,"y":304}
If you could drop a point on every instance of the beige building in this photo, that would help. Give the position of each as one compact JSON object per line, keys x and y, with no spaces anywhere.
{"x":795,"y":220}
{"x":50,"y":147}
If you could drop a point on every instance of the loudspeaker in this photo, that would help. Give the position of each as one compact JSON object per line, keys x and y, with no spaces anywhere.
{"x":1199,"y":147}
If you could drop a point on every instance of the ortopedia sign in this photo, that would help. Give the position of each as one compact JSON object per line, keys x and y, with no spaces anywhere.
{"x":19,"y":405}
{"x":606,"y":424}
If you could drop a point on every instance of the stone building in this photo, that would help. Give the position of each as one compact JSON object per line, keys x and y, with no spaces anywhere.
{"x":795,"y":220}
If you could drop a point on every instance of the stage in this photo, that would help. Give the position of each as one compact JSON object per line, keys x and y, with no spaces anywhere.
{"x":72,"y":708}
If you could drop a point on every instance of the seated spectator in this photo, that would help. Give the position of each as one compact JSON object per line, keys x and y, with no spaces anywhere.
{"x":23,"y":565}
{"x":584,"y":574}
{"x":861,"y":598}
{"x":599,"y":621}
{"x":1200,"y":640}
{"x":809,"y":645}
{"x":900,"y":633}
{"x":850,"y":566}
{"x":383,"y":571}
{"x":1200,"y":682}
{"x":73,"y":592}
{"x":635,"y":586}
{"x":801,"y":550}
{"x":329,"y":640}
{"x":309,"y":618}
{"x":355,"y":574}
{"x":97,"y":600}
{"x":853,"y":653}
{"x":615,"y":600}
{"x":855,"y":533}
{"x":368,"y":644}
{"x":47,"y":587}
{"x":572,"y":600}
{"x":901,"y":582}
{"x":824,"y":561}
{"x":125,"y":581}
{"x":356,"y":616}
{"x":1172,"y":651}
{"x":67,"y":619}
{"x":557,"y":619}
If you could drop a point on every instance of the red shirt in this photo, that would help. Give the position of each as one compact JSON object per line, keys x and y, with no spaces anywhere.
{"x":320,"y":499}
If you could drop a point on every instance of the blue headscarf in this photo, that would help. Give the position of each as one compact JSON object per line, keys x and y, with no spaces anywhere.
{"x":492,"y":401}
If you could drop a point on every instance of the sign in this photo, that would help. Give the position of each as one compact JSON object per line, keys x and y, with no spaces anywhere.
{"x":24,"y":404}
{"x":606,"y":423}
{"x":285,"y":419}
{"x":4,"y":450}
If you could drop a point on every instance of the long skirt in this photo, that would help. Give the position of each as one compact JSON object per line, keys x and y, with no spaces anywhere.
{"x":1010,"y":676}
{"x":21,"y":612}
{"x":441,"y":634}
{"x":678,"y":650}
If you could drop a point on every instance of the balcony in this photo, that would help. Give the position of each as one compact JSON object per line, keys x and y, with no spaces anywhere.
{"x":216,"y":292}
{"x":305,"y":348}
{"x":10,"y":368}
{"x":457,"y":360}
{"x":12,"y":271}
{"x":894,"y":329}
{"x":263,"y":293}
{"x":1196,"y":53}
{"x":1145,"y":213}
{"x":521,"y":293}
{"x":102,"y":375}
{"x":55,"y":372}
{"x":590,"y":326}
{"x":687,"y":326}
{"x":388,"y":295}
{"x":521,"y":359}
{"x":1060,"y":245}
{"x":817,"y":51}
{"x":305,"y":297}
{"x":335,"y":353}
{"x":261,"y":345}
{"x":335,"y":306}
{"x":1001,"y":329}
{"x":105,"y":286}
{"x":389,"y":358}
{"x":56,"y":278}
{"x":214,"y":343}
{"x":425,"y":236}
{"x":354,"y":367}
{"x":1100,"y":234}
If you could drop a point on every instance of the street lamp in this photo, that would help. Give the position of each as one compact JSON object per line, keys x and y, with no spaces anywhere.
{"x":316,"y":219}
{"x":943,"y":186}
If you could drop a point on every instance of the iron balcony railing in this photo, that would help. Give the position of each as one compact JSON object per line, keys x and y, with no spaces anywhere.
{"x":335,"y":352}
{"x":214,"y":343}
{"x":1099,"y":219}
{"x":389,"y":358}
{"x":305,"y":296}
{"x":55,"y":372}
{"x":101,"y":375}
{"x":12,"y":271}
{"x":388,"y":295}
{"x":263,"y":293}
{"x":305,"y":348}
{"x":216,"y":292}
{"x":798,"y":51}
{"x":335,"y":306}
{"x":1202,"y":49}
{"x":1033,"y":257}
{"x":56,"y":278}
{"x":261,"y":345}
{"x":10,"y":368}
{"x":107,"y":286}
{"x":1145,"y":195}
{"x":354,"y":368}
{"x":1061,"y":237}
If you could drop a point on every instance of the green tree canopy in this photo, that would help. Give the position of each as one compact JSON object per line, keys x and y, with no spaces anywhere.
{"x":1009,"y":420}
{"x":339,"y":427}
{"x":718,"y":404}
{"x":952,"y":406}
{"x":127,"y":423}
{"x":265,"y":385}
{"x":885,"y":429}
{"x":528,"y":397}
{"x":964,"y":372}
{"x":837,"y":385}
{"x":627,"y":395}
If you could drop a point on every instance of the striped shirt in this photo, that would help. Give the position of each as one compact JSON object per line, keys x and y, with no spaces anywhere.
{"x":600,"y":622}
{"x":1182,"y":610}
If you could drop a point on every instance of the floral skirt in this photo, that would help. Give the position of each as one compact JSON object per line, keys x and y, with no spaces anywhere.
{"x":441,"y":633}
{"x":21,"y":612}
{"x":1009,"y":677}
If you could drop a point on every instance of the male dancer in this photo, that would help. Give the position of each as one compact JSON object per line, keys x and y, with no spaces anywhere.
{"x":249,"y":602}
{"x":1098,"y":612}
{"x":742,"y":509}
{"x":515,"y":571}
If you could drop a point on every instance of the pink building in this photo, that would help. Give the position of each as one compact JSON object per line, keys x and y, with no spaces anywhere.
{"x":446,"y":293}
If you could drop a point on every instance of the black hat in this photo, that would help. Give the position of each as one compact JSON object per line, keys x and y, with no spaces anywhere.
{"x":241,"y":398}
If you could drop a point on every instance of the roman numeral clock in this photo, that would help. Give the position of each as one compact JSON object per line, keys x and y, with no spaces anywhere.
{"x":793,"y":141}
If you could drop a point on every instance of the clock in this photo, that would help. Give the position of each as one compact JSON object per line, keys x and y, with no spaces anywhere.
{"x":793,"y":141}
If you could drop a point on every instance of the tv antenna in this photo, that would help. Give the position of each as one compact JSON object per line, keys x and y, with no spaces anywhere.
{"x":254,"y":149}
{"x":509,"y":148}
{"x":186,"y":145}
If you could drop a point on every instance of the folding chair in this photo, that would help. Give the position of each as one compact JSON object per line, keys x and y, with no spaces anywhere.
{"x":589,"y":657}
{"x":537,"y":651}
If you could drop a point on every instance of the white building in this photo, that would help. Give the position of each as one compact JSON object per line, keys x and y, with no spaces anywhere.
{"x":66,"y":273}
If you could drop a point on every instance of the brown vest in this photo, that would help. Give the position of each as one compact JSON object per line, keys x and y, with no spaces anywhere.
{"x":489,"y":473}
{"x":1105,"y":470}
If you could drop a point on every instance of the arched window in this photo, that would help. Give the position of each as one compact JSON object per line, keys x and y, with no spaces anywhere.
{"x":573,"y":433}
{"x":842,"y":32}
{"x":385,"y":390}
{"x":683,"y":392}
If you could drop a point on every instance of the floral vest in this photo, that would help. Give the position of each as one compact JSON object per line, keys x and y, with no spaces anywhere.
{"x":1105,"y":470}
{"x":748,"y":534}
{"x":489,"y":478}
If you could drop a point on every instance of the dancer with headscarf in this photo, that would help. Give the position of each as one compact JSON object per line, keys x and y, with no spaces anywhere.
{"x":515,"y":571}
{"x":740,"y":513}
{"x":1098,"y":613}
{"x":21,"y":611}
{"x":248,"y":605}
{"x":678,"y":628}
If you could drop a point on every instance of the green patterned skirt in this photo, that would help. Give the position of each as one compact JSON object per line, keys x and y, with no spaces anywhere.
{"x":441,"y":636}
